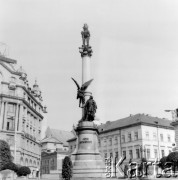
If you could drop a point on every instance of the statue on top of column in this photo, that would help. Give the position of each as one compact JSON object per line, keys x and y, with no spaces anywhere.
{"x":85,"y":35}
{"x":86,"y":49}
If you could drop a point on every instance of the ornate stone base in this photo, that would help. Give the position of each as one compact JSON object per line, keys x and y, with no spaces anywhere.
{"x":87,"y":161}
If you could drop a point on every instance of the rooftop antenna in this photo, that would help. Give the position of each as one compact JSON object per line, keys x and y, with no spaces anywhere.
{"x":4,"y":49}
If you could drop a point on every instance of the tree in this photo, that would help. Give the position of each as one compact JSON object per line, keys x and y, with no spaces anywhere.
{"x":23,"y":171}
{"x":162,"y":162}
{"x":67,"y":168}
{"x":10,"y":166}
{"x":5,"y":154}
{"x":173,"y":157}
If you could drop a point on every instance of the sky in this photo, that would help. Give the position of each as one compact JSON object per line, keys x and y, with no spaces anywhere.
{"x":135,"y":54}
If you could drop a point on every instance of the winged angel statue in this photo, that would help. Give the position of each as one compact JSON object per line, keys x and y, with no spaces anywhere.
{"x":81,"y":91}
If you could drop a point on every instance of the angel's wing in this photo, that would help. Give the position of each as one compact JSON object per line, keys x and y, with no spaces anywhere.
{"x":86,"y":84}
{"x":78,"y":87}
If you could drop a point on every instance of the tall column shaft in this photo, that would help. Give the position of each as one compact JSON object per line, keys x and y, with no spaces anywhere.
{"x":86,"y":74}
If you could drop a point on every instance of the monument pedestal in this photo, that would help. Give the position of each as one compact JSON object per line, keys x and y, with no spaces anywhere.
{"x":87,"y":161}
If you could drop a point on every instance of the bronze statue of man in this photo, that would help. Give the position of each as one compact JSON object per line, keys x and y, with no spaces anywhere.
{"x":85,"y":35}
{"x":90,"y":109}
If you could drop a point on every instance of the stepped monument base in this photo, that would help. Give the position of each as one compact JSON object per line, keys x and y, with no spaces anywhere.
{"x":87,"y":161}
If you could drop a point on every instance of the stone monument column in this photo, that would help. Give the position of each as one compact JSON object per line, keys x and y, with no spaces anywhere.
{"x":87,"y":161}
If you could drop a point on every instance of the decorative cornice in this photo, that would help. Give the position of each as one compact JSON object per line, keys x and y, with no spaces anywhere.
{"x":8,"y":60}
{"x":85,"y":51}
{"x":12,"y":72}
{"x":24,"y":101}
{"x":27,"y":91}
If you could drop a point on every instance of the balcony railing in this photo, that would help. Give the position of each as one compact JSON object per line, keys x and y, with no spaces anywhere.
{"x":30,"y":136}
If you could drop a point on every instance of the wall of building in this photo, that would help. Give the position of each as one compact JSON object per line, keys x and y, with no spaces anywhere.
{"x":20,"y":119}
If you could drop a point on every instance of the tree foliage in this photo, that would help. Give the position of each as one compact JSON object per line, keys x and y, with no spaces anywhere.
{"x":173,"y":157}
{"x":10,"y":166}
{"x":23,"y":171}
{"x":5,"y":154}
{"x":67,"y":168}
{"x":162,"y":162}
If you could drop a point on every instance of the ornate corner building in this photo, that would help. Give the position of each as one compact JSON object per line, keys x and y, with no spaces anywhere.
{"x":20,"y":114}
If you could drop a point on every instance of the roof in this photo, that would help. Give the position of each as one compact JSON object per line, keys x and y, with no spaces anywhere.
{"x":60,"y":135}
{"x":134,"y":120}
{"x":50,"y":140}
{"x":72,"y":139}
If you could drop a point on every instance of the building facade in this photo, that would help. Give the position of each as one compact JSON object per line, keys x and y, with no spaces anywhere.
{"x":21,"y":115}
{"x":134,"y":137}
{"x":54,"y":149}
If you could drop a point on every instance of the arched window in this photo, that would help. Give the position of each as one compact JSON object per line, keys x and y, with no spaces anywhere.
{"x":26,"y":162}
{"x":30,"y":162}
{"x":21,"y":161}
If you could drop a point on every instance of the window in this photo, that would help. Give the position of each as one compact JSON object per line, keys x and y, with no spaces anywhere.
{"x":11,"y":108}
{"x":154,"y":135}
{"x":147,"y":135}
{"x":99,"y":143}
{"x":137,"y":153}
{"x":105,"y":142}
{"x":155,"y":153}
{"x":116,"y":140}
{"x":123,"y":138}
{"x":10,"y":124}
{"x":124,"y":153}
{"x":11,"y":92}
{"x":111,"y":154}
{"x":130,"y":154}
{"x":148,"y":153}
{"x":129,"y":137}
{"x":162,"y":153}
{"x":169,"y":138}
{"x":161,"y":137}
{"x":136,"y":135}
{"x":110,"y":141}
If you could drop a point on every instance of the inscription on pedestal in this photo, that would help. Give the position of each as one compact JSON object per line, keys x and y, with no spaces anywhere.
{"x":85,"y":140}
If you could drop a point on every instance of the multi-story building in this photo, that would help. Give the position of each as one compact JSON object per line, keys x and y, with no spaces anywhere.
{"x":135,"y":137}
{"x":54,"y":149}
{"x":175,"y":124}
{"x":20,"y":114}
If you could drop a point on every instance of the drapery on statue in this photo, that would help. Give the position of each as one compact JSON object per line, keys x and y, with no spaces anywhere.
{"x":89,"y":110}
{"x":85,"y":35}
{"x":81,"y":91}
